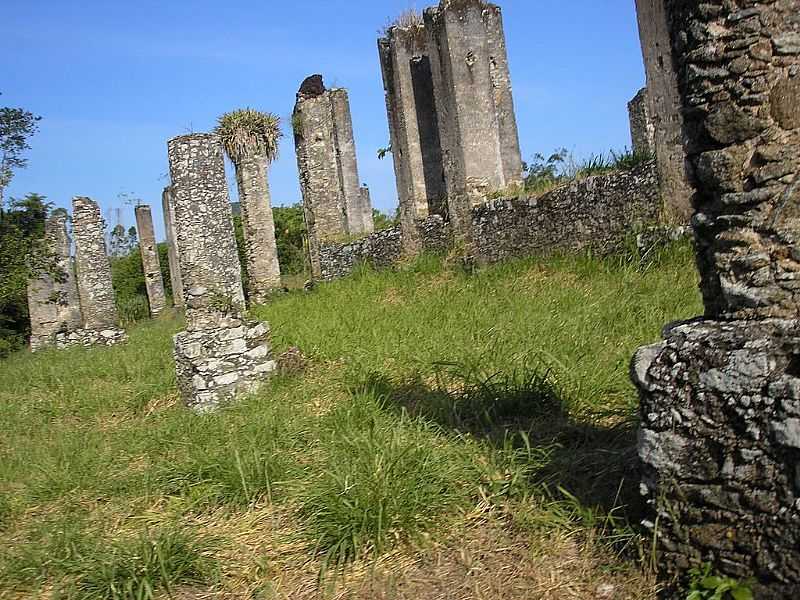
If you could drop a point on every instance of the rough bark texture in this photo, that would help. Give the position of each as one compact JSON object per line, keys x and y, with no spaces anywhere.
{"x":98,"y":302}
{"x":720,"y":437}
{"x":664,"y":107}
{"x":333,"y":203}
{"x":642,"y":126}
{"x":150,"y":262}
{"x":53,"y":295}
{"x":168,"y":207}
{"x":258,"y":225}
{"x":221,"y":354}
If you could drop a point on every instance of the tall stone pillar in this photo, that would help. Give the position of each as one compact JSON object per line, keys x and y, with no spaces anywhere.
{"x":53,"y":295}
{"x":720,"y":397}
{"x":168,"y":208}
{"x":95,"y":289}
{"x":664,"y":107}
{"x":365,"y":207}
{"x":642,"y":128}
{"x":151,"y":266}
{"x":258,"y":225}
{"x":326,"y":160}
{"x":413,"y":126}
{"x":221,"y":354}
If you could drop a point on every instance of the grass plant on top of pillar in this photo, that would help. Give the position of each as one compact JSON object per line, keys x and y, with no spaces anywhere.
{"x":250,"y":139}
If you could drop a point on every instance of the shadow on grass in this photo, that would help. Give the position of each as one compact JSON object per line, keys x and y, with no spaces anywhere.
{"x":590,"y":458}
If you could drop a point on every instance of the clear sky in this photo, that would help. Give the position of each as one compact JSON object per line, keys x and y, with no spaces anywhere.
{"x":115,"y":80}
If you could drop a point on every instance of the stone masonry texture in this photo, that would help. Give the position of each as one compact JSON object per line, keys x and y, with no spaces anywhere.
{"x":168,"y":208}
{"x":664,"y":108}
{"x":151,"y":266}
{"x":98,"y":307}
{"x":258,"y":226}
{"x":53,"y":295}
{"x":221,"y":354}
{"x":642,"y":126}
{"x":598,"y":213}
{"x":451,"y":112}
{"x":720,"y":433}
{"x":365,"y":207}
{"x":332,"y":199}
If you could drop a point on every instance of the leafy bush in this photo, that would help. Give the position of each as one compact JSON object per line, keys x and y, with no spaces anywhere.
{"x":703,"y":585}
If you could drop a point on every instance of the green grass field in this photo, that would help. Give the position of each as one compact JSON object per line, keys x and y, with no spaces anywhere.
{"x":466,"y":434}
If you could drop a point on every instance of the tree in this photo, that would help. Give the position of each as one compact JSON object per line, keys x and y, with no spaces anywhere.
{"x":16,"y":127}
{"x":122,"y":242}
{"x":250,"y":139}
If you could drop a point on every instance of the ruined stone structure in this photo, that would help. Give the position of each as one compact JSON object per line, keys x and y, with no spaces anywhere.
{"x":99,"y":319}
{"x":664,"y":110}
{"x":154,"y":283}
{"x":642,"y":127}
{"x":258,"y":227}
{"x":451,"y":114}
{"x":333,"y":201}
{"x":53,"y":295}
{"x":221,"y":354}
{"x":598,"y":213}
{"x":720,"y":433}
{"x":168,"y":208}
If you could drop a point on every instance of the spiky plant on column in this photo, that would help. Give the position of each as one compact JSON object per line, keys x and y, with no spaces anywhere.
{"x":250,"y":139}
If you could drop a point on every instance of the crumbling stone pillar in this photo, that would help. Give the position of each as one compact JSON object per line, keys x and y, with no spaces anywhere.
{"x":95,"y":290}
{"x":413,"y":126}
{"x":53,"y":295}
{"x":642,"y":128}
{"x":258,"y":225}
{"x":154,"y":283}
{"x":326,"y":159}
{"x":367,"y":219}
{"x":664,"y":108}
{"x":168,"y":207}
{"x":720,"y":397}
{"x":221,"y":354}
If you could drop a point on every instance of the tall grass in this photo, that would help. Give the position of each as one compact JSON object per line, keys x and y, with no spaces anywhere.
{"x":431,"y":392}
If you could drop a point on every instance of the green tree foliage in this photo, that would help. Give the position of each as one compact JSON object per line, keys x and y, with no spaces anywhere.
{"x":383,"y":221}
{"x":16,"y":127}
{"x":290,"y":234}
{"x":22,"y":255}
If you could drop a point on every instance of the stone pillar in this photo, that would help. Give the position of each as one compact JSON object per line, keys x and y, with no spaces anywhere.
{"x":221,"y":354}
{"x":413,"y":128}
{"x":53,"y":295}
{"x":664,"y":106}
{"x":347,"y":165}
{"x":326,"y":159}
{"x":720,"y":397}
{"x":261,"y":249}
{"x":95,"y":289}
{"x":366,"y":210}
{"x":150,"y":262}
{"x":168,"y":207}
{"x":642,"y":128}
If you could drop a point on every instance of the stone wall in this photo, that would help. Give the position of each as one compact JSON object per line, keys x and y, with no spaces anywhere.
{"x":598,"y":212}
{"x":53,"y":295}
{"x":642,"y":127}
{"x":664,"y":109}
{"x":154,"y":283}
{"x":221,"y":354}
{"x":720,"y":434}
{"x":168,"y":207}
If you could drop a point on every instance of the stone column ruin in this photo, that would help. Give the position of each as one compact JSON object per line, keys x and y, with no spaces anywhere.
{"x":664,"y":110}
{"x":258,"y":227}
{"x":720,"y":397}
{"x":221,"y":354}
{"x":151,"y":266}
{"x":168,"y":208}
{"x":333,"y":202}
{"x":642,"y":127}
{"x":451,"y":113}
{"x":53,"y":295}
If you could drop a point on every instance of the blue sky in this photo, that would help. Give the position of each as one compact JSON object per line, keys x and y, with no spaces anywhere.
{"x":114,"y":81}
